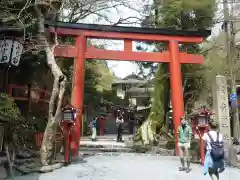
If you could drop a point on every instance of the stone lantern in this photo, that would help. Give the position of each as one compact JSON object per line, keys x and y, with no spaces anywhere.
{"x":200,"y":120}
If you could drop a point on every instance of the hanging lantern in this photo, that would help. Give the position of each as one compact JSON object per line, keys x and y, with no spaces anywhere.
{"x":202,"y":120}
{"x":1,"y":136}
{"x":69,"y":114}
{"x":10,"y":52}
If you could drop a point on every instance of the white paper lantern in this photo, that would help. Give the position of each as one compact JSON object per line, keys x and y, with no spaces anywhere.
{"x":10,"y":52}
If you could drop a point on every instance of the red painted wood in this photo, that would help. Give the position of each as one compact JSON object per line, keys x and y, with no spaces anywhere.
{"x":66,"y":51}
{"x":128,"y":45}
{"x":202,"y":154}
{"x":95,"y":53}
{"x":67,"y":128}
{"x":176,"y":87}
{"x":102,"y":125}
{"x":21,"y":98}
{"x":161,"y":57}
{"x":38,"y":139}
{"x":77,"y":91}
{"x":15,"y":86}
{"x":120,"y":35}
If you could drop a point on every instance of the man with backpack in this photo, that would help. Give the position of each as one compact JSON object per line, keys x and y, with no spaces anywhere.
{"x":214,"y":148}
{"x":184,"y":141}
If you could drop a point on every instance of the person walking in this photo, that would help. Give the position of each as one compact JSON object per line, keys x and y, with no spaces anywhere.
{"x":184,"y":142}
{"x":214,"y":151}
{"x":119,"y":124}
{"x":94,"y":128}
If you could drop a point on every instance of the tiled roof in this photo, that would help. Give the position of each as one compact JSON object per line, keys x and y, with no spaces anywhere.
{"x":137,"y":89}
{"x":130,"y":81}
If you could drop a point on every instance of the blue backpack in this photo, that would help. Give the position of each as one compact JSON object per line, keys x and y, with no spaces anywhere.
{"x":217,"y":151}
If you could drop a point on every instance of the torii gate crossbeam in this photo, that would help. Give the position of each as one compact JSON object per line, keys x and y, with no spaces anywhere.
{"x":128,"y":34}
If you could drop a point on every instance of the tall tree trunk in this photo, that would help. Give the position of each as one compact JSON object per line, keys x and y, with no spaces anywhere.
{"x":55,"y":103}
{"x":156,"y":117}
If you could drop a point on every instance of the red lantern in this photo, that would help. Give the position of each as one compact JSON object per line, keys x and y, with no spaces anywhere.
{"x":67,"y":122}
{"x":200,"y":120}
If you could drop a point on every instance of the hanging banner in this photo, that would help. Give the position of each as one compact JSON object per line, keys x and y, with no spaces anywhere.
{"x":16,"y":53}
{"x":1,"y":53}
{"x":1,"y":137}
{"x":6,"y":47}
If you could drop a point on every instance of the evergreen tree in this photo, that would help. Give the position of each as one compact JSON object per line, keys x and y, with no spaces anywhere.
{"x":181,"y":15}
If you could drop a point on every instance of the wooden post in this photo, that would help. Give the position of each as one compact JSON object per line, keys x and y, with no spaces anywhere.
{"x":77,"y":92}
{"x":29,"y":89}
{"x":176,"y":87}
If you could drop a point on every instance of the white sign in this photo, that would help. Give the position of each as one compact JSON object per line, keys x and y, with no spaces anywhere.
{"x":6,"y":47}
{"x":16,"y":53}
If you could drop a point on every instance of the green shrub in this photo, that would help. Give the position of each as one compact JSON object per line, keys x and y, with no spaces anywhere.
{"x":8,"y":107}
{"x":40,"y":124}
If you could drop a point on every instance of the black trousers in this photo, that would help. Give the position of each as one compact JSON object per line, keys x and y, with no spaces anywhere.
{"x":119,"y":132}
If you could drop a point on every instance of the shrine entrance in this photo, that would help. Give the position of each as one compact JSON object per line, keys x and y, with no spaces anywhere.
{"x":128,"y":34}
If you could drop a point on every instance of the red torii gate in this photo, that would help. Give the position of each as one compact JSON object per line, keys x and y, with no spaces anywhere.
{"x":128,"y":34}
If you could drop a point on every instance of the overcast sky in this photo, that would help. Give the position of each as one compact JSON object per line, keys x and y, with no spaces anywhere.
{"x":119,"y":68}
{"x":124,"y":68}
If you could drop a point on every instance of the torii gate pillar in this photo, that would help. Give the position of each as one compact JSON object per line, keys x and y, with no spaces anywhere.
{"x":78,"y":90}
{"x":176,"y":86}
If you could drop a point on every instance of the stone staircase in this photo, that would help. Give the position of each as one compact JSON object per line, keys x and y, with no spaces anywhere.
{"x":107,"y":145}
{"x":104,"y":144}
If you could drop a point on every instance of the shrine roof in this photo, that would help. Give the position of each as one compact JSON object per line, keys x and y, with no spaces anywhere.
{"x":141,"y":89}
{"x":130,"y":81}
{"x":11,"y":31}
{"x":125,"y":29}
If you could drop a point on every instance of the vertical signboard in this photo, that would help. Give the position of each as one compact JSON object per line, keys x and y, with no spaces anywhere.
{"x":223,"y":107}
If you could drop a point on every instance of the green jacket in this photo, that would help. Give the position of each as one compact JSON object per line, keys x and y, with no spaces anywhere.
{"x":184,"y":134}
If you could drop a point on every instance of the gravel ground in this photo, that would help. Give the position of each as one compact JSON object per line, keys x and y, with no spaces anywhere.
{"x":128,"y":167}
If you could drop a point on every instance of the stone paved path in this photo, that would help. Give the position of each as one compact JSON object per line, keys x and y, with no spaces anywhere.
{"x":129,"y":167}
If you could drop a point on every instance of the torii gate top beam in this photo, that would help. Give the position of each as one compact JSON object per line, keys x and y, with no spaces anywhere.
{"x":133,"y":33}
{"x":128,"y":34}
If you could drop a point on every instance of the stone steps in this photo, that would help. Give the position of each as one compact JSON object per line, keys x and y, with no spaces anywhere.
{"x":105,"y":144}
{"x":96,"y":147}
{"x":106,"y":138}
{"x":104,"y":149}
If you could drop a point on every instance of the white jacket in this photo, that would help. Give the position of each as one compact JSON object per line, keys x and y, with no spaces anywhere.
{"x":119,"y":121}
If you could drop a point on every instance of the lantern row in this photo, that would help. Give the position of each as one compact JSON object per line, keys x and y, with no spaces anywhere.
{"x":10,"y":52}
